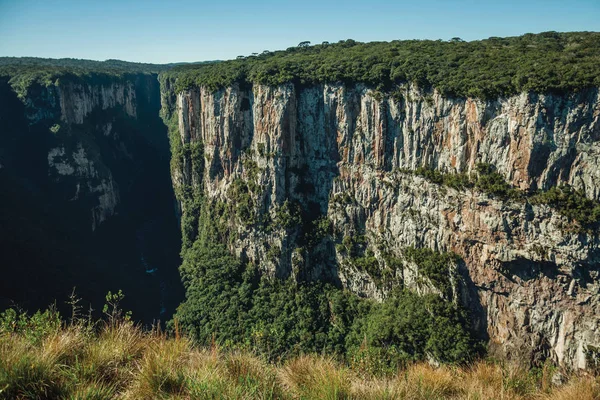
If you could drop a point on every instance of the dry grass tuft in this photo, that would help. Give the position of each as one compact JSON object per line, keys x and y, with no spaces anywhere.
{"x":162,"y":368}
{"x":313,"y":377}
{"x":580,"y":388}
{"x":63,"y":346}
{"x":121,"y":361}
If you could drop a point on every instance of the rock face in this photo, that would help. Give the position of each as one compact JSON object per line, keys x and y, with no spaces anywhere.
{"x":79,"y":100}
{"x":66,"y":108}
{"x":343,"y":155}
{"x":86,"y":187}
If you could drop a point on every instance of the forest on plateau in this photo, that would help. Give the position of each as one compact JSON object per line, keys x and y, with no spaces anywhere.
{"x":546,"y":62}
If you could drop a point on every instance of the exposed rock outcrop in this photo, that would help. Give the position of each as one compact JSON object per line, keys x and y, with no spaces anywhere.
{"x":344,"y":155}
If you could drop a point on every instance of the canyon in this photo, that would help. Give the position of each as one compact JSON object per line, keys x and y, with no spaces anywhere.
{"x":309,"y":182}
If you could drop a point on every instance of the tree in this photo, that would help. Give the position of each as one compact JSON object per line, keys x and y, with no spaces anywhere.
{"x":304,"y":44}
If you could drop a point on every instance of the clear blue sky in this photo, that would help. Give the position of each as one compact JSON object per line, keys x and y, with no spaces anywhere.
{"x":171,"y":31}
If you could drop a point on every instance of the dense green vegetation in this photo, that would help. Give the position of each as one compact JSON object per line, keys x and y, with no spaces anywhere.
{"x":232,"y":304}
{"x":545,"y":62}
{"x":74,"y":64}
{"x":23,"y":72}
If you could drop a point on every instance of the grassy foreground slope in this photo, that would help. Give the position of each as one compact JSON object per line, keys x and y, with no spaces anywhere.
{"x":42,"y":358}
{"x":546,"y":62}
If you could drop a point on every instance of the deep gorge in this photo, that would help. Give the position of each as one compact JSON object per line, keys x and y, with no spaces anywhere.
{"x":308,"y":212}
{"x":87,"y":199}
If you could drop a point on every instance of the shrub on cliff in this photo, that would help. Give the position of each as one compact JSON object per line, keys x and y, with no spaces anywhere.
{"x":408,"y":327}
{"x":571,"y":203}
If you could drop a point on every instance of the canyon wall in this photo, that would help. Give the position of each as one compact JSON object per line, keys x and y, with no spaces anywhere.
{"x":318,"y":182}
{"x":84,"y":170}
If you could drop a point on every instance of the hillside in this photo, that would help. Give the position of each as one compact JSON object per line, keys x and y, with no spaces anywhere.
{"x":487,"y":200}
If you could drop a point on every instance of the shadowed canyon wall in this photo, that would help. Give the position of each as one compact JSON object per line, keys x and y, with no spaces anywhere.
{"x":87,"y":200}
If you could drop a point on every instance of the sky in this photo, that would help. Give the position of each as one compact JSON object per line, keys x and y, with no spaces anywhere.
{"x":184,"y":31}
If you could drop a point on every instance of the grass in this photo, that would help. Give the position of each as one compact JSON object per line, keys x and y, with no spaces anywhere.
{"x":119,"y":360}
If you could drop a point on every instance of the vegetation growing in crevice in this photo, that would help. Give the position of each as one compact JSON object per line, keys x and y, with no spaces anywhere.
{"x":572,"y":204}
{"x":486,"y":179}
{"x":490,"y":181}
{"x":241,"y":200}
{"x":353,"y":245}
{"x":371,"y":265}
{"x":435,"y":266}
{"x":287,"y":215}
{"x":568,"y":201}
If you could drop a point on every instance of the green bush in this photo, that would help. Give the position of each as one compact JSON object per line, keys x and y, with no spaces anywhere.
{"x":437,"y":267}
{"x":490,"y":181}
{"x":456,"y":181}
{"x":407,"y":327}
{"x":571,"y":203}
{"x":240,"y":198}
{"x":34,"y":327}
{"x":288,"y":215}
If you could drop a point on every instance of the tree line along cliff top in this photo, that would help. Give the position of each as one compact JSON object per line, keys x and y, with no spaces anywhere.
{"x":549,"y":62}
{"x":22,"y":72}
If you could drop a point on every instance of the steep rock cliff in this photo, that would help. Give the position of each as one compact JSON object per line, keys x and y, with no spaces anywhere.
{"x":85,"y":173}
{"x":337,"y":162}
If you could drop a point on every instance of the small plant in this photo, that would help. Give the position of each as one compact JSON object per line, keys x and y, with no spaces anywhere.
{"x":437,"y":267}
{"x":112,"y":308}
{"x":55,"y":128}
{"x":288,"y":215}
{"x":242,"y":202}
{"x":490,"y":181}
{"x":261,"y":149}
